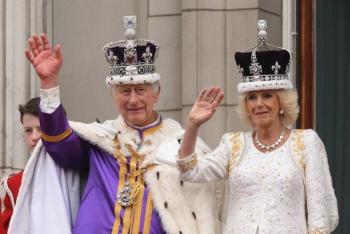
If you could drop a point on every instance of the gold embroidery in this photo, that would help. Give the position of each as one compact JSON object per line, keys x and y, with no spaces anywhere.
{"x":236,"y":144}
{"x":319,"y":231}
{"x":187,"y":164}
{"x":298,"y":148}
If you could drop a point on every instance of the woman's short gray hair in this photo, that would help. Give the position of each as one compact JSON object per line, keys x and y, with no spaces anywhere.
{"x":288,"y":100}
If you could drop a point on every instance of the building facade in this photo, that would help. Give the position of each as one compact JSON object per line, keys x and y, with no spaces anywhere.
{"x":197,"y":40}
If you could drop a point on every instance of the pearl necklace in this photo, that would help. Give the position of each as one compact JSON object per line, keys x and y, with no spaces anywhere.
{"x":273,"y":145}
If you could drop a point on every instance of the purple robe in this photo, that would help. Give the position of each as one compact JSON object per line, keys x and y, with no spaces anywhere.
{"x":99,"y":211}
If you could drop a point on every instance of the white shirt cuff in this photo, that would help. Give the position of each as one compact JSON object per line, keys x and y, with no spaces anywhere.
{"x":49,"y":99}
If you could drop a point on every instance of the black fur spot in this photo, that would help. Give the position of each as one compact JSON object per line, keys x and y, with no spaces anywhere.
{"x":157,"y":175}
{"x":166,"y":205}
{"x":194,"y":215}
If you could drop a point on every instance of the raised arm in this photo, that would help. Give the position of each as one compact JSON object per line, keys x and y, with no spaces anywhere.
{"x":203,"y":109}
{"x":64,"y":146}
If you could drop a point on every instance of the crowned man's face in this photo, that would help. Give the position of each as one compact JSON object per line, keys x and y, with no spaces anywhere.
{"x":136,"y":103}
{"x":32,"y":130}
{"x":263,"y":108}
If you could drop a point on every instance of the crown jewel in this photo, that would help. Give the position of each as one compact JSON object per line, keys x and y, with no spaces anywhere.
{"x":132,"y":60}
{"x":268,"y":69}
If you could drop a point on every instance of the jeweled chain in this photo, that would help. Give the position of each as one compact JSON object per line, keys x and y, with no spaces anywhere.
{"x":273,"y":145}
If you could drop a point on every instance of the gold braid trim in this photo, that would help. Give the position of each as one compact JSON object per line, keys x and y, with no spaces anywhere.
{"x":319,"y":231}
{"x":298,"y":148}
{"x":236,"y":146}
{"x":188,"y":163}
{"x":57,"y":138}
{"x":135,"y":177}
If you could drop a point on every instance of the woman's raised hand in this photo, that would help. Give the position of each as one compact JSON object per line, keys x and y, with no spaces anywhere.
{"x":205,"y":105}
{"x":47,"y":63}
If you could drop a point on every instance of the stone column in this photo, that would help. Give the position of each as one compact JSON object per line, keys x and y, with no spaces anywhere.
{"x":204,"y":59}
{"x":2,"y":85}
{"x":18,"y":20}
{"x":164,"y":26}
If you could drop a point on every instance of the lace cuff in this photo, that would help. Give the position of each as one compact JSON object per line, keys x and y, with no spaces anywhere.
{"x":188,"y":163}
{"x":49,"y":99}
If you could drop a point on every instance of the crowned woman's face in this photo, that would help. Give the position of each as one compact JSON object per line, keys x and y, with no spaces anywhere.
{"x":263,"y":107}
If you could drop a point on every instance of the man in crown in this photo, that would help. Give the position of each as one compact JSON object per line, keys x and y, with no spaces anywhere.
{"x":131,"y":185}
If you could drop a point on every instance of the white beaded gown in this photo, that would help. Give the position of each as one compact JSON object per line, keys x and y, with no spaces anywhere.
{"x":285,"y":191}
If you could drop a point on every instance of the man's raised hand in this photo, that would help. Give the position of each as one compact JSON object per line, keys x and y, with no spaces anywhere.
{"x":47,"y":63}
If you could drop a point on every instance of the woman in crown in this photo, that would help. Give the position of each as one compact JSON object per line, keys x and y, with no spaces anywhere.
{"x":277,"y":180}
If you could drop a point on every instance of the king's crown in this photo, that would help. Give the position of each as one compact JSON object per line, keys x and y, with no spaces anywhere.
{"x":132,"y":56}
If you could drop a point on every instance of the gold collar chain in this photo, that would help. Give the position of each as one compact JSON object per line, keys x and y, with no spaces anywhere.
{"x":134,"y":179}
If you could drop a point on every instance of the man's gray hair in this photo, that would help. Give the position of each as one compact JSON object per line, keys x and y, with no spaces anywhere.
{"x":155,"y":86}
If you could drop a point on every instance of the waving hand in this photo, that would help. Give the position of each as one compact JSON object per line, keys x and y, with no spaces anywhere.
{"x":205,"y":105}
{"x":203,"y":109}
{"x":47,"y":63}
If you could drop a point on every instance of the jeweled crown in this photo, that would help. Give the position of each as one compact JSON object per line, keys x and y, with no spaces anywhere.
{"x":261,"y":70}
{"x":132,"y":60}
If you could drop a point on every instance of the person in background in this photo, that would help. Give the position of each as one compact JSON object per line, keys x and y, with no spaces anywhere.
{"x":29,"y":117}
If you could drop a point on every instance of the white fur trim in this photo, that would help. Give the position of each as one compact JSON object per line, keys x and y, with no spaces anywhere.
{"x":133,"y":79}
{"x":97,"y":134}
{"x":244,"y":87}
{"x":102,"y":135}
